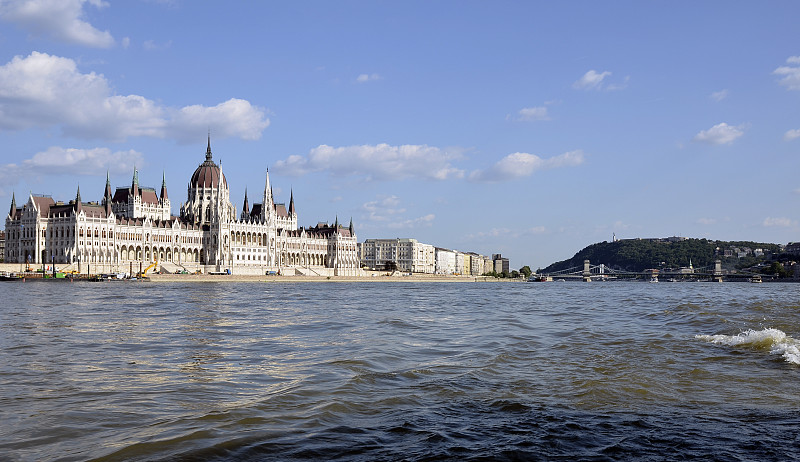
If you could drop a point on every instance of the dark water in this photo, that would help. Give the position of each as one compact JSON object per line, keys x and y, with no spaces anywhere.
{"x":399,"y":371}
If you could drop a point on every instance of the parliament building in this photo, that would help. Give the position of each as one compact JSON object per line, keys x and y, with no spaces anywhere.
{"x":133,"y":227}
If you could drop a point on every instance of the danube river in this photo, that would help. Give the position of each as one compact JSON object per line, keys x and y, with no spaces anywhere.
{"x":399,"y":371}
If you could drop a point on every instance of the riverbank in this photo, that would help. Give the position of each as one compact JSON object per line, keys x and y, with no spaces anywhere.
{"x":282,"y":279}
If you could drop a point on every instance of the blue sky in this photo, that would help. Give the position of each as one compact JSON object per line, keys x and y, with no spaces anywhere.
{"x":530,"y":129}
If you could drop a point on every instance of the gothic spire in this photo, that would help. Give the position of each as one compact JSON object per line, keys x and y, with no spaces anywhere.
{"x":246,"y":207}
{"x":208,"y":149}
{"x":107,"y":194}
{"x":291,"y":202}
{"x":13,"y":206}
{"x":351,"y":227}
{"x":163,"y":186}
{"x":135,"y":182}
{"x":78,"y":199}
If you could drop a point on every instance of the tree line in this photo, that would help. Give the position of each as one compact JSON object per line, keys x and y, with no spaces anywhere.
{"x":636,"y":255}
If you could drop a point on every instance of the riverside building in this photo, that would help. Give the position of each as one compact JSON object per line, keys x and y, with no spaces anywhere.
{"x":133,"y":227}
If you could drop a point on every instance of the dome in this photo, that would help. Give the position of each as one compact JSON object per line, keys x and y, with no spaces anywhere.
{"x":207,"y":174}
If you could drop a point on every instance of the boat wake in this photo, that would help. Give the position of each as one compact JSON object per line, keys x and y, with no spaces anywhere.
{"x":773,"y":340}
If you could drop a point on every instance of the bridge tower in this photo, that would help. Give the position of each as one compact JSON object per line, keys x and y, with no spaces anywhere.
{"x":587,"y":271}
{"x":717,"y":271}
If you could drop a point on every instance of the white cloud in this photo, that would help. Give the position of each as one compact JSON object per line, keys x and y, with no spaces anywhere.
{"x":719,"y":95}
{"x":58,"y":19}
{"x":720,"y":134}
{"x":387,"y":212}
{"x":378,"y":162}
{"x":383,"y":209}
{"x":591,"y":80}
{"x":363,"y":78}
{"x":791,"y":74}
{"x":520,"y":164}
{"x":41,"y":90}
{"x":233,"y":118}
{"x":57,"y":160}
{"x":426,"y":220}
{"x":532,"y":114}
{"x":791,"y":134}
{"x":151,"y":45}
{"x":781,"y":222}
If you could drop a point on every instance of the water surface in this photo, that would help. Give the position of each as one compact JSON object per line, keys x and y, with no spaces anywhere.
{"x":399,"y":371}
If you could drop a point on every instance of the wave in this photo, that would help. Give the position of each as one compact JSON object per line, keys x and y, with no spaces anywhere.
{"x":774,"y":340}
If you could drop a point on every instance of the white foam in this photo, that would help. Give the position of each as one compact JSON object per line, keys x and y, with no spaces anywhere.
{"x":774,"y":340}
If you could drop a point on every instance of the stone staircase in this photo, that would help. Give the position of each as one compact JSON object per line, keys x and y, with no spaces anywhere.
{"x":168,"y":267}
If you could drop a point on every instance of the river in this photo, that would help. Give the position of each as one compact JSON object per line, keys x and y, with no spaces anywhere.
{"x":399,"y":371}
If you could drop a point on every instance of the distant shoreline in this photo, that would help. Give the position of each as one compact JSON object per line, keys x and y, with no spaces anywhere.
{"x":281,"y":279}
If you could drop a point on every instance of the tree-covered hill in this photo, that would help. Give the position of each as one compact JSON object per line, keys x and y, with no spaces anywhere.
{"x":641,"y":254}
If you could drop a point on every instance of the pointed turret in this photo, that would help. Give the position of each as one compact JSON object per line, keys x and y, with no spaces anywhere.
{"x":291,"y":202}
{"x":107,"y":193}
{"x":78,"y":199}
{"x":163,"y":194}
{"x":107,"y":196}
{"x":13,"y":210}
{"x":351,"y":227}
{"x":135,"y":183}
{"x":267,"y":191}
{"x":336,"y":225}
{"x":246,"y":206}
{"x":208,"y":149}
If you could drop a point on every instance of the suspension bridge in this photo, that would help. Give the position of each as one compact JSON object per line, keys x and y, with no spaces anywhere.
{"x":602,"y":272}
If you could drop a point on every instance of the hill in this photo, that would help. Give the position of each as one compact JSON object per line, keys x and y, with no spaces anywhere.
{"x":640,"y":254}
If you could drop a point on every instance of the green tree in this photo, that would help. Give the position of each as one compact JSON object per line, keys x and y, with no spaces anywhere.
{"x":526,"y":271}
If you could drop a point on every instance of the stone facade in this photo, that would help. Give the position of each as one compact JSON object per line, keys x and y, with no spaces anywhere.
{"x":133,"y":227}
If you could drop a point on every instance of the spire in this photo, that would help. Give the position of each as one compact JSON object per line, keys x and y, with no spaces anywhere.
{"x":351,"y":227}
{"x":163,"y":194}
{"x":208,"y":149}
{"x":107,"y":194}
{"x":13,"y":206}
{"x":246,"y":207}
{"x":291,"y":202}
{"x":336,"y":225}
{"x":267,"y":203}
{"x":78,"y":199}
{"x":135,"y":182}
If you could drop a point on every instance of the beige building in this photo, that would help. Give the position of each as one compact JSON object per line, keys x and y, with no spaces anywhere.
{"x":408,"y":255}
{"x":133,"y":227}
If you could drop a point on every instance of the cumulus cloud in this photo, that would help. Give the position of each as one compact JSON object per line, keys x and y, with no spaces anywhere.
{"x":58,"y":160}
{"x":364,"y":78}
{"x":791,"y":134}
{"x":41,"y":91}
{"x":591,"y":80}
{"x":781,"y":222}
{"x":719,"y":95}
{"x":423,"y":221}
{"x":790,"y":73}
{"x":386,"y":211}
{"x":58,"y":19}
{"x":521,"y":164}
{"x":532,"y":114}
{"x":720,"y":134}
{"x":376,"y":162}
{"x":383,"y":209}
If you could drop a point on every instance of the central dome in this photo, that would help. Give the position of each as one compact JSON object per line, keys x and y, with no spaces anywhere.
{"x":207,"y":174}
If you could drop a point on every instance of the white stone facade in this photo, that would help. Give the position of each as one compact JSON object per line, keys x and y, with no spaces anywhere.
{"x":133,"y":228}
{"x":409,"y":255}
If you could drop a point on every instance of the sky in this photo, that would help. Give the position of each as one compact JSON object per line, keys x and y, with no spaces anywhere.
{"x":529,"y":129}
